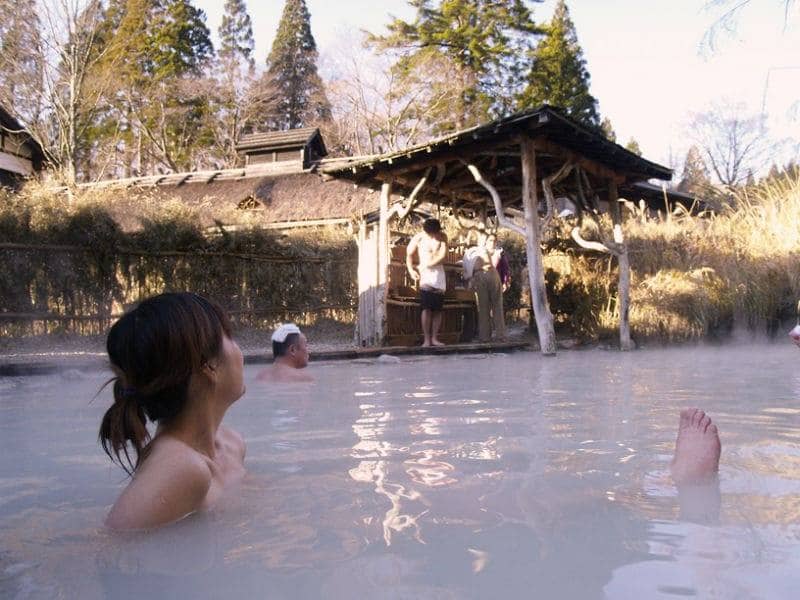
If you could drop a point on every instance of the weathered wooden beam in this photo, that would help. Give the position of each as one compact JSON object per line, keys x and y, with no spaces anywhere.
{"x":501,"y":153}
{"x":530,"y":203}
{"x":426,"y":160}
{"x":624,"y":289}
{"x":441,"y":171}
{"x":383,"y":263}
{"x":589,"y":165}
{"x":547,"y":186}
{"x":403,"y":211}
{"x":498,"y":204}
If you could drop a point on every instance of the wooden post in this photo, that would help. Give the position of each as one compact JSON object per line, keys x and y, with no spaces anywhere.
{"x":624,"y":289}
{"x":359,"y":333}
{"x":530,"y":202}
{"x":383,"y":264}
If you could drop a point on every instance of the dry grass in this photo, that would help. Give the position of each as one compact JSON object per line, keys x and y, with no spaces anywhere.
{"x":740,"y":266}
{"x":692,"y":276}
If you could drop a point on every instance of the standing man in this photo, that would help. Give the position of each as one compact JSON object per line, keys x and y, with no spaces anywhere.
{"x":430,"y":246}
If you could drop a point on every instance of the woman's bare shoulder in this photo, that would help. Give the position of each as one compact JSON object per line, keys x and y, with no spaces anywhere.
{"x":171,"y":483}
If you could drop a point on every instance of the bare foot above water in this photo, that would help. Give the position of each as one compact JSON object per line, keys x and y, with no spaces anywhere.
{"x":795,"y":334}
{"x":697,"y":449}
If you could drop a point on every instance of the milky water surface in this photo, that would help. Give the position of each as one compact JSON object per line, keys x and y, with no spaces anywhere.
{"x":511,"y":476}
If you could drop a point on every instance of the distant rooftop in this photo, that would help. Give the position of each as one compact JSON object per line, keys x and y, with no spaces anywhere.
{"x":277,"y":140}
{"x":304,"y":144}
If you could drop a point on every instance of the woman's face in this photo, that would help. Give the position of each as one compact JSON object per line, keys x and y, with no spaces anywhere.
{"x":230,"y":367}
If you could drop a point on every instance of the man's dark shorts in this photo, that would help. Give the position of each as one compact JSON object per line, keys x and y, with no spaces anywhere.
{"x":431,"y":300}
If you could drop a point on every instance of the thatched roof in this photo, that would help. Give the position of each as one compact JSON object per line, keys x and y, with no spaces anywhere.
{"x":266,"y":194}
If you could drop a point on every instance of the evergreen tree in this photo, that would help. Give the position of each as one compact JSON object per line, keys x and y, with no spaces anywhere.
{"x":236,"y":68}
{"x":179,"y":41}
{"x":633,"y":146}
{"x":470,"y":46}
{"x":21,"y":59}
{"x":608,"y":129}
{"x":297,"y":96}
{"x":558,"y":74}
{"x":695,"y":177}
{"x":163,"y":48}
{"x":236,"y":39}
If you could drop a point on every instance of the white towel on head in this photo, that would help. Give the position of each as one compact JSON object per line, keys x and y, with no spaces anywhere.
{"x":283,"y":331}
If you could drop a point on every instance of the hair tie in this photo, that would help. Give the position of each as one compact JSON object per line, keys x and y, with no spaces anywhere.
{"x":128,"y":392}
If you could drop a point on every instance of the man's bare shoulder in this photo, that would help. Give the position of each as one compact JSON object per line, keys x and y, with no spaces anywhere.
{"x":277,"y":374}
{"x":415,"y":240}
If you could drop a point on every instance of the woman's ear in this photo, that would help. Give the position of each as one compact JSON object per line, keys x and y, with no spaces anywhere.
{"x":209,"y":369}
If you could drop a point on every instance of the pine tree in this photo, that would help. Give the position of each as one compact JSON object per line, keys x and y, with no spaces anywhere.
{"x":695,"y":177}
{"x":161,"y":49}
{"x":469,"y":46}
{"x":633,"y":146}
{"x":608,"y":129}
{"x":236,"y":39}
{"x":558,"y":74}
{"x":236,"y":68}
{"x":297,"y":96}
{"x":180,"y":42}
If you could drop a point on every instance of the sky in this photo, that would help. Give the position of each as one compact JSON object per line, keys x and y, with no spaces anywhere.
{"x":650,"y":70}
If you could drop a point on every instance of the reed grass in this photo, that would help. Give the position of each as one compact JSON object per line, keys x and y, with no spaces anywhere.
{"x":694,"y":276}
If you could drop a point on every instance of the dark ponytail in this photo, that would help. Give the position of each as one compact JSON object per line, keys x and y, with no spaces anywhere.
{"x":124,"y":422}
{"x":154,"y":350}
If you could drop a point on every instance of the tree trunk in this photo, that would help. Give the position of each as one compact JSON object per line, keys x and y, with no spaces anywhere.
{"x":541,"y":309}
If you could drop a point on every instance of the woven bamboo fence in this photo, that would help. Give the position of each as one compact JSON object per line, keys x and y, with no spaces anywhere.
{"x":49,"y":288}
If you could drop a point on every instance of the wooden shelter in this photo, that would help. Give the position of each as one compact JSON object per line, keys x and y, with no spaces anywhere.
{"x":512,"y":171}
{"x":20,"y":155}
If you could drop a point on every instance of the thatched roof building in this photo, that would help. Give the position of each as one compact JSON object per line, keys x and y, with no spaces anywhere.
{"x":282,"y":195}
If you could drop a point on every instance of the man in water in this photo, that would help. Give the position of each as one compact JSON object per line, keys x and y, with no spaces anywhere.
{"x":430,"y":247}
{"x":290,"y":352}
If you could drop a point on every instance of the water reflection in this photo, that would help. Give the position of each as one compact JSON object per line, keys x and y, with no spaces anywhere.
{"x":441,"y":478}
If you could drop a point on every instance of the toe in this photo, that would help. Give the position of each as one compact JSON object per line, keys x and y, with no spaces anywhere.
{"x":697,"y":418}
{"x":686,"y":417}
{"x":704,"y":423}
